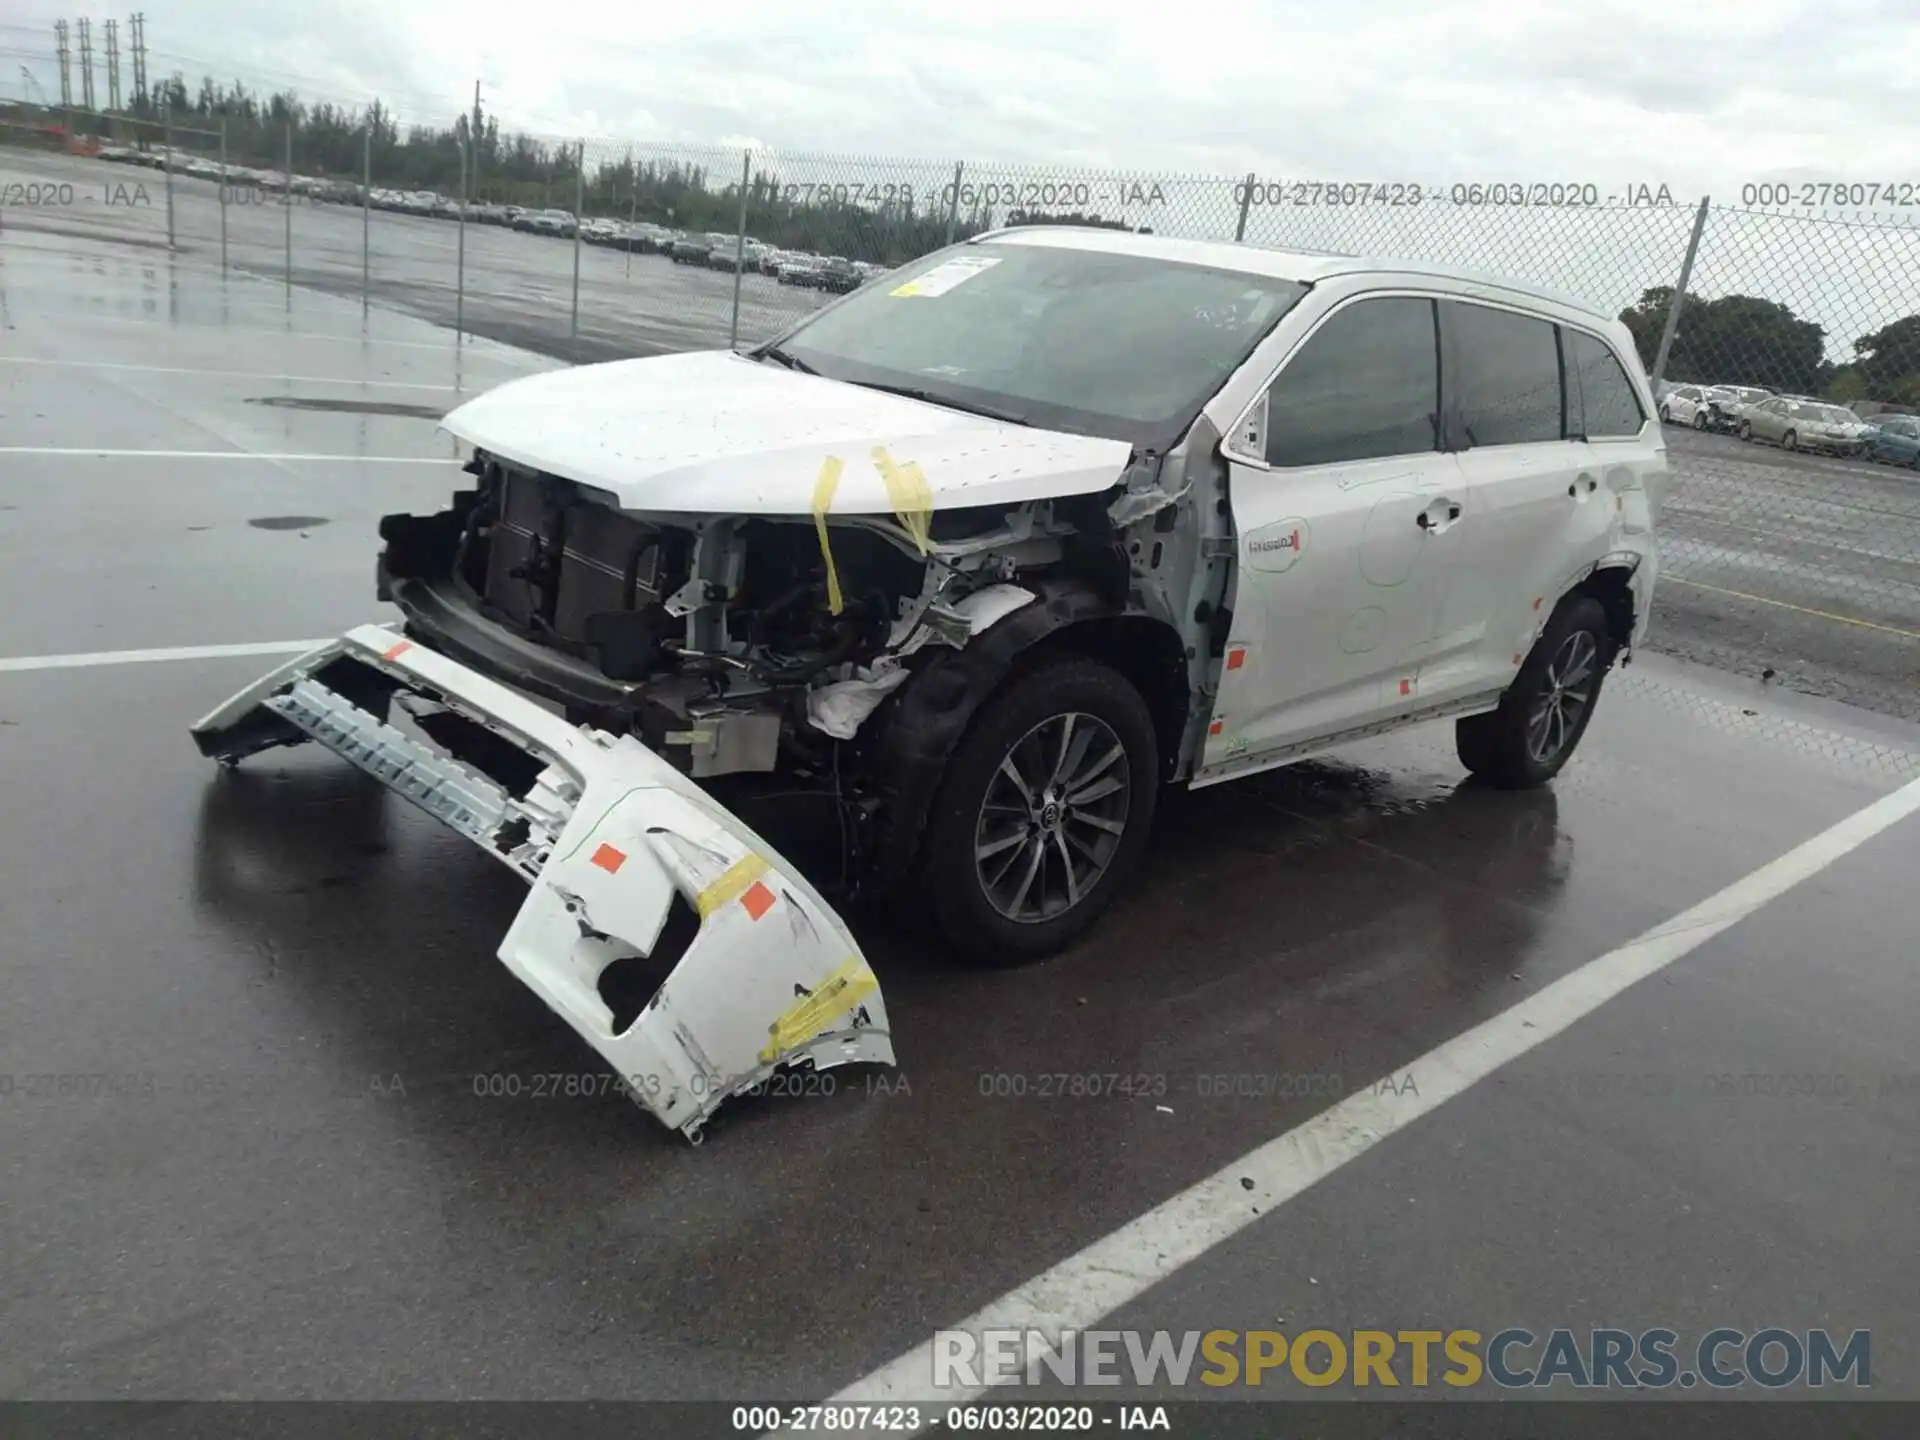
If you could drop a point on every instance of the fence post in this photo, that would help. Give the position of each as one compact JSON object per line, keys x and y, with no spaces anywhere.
{"x":740,"y":247}
{"x":953,"y":201}
{"x":460,"y":251}
{"x":366,"y":216}
{"x":166,"y":117}
{"x":1680,"y":294}
{"x":286,"y":194}
{"x":1246,"y":203}
{"x":633,"y":212}
{"x":223,"y":194}
{"x":579,"y":203}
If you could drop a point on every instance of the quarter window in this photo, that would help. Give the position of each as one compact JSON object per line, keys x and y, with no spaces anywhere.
{"x":1365,"y":385}
{"x":1600,"y":398}
{"x":1506,"y":376}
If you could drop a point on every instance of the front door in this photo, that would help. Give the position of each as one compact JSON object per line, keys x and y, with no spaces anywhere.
{"x":1346,"y":514}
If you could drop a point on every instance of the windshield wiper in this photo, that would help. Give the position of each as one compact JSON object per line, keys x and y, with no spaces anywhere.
{"x":781,"y":357}
{"x":914,"y":392}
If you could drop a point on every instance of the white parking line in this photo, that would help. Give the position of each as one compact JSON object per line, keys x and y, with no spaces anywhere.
{"x":178,"y":652}
{"x":1121,"y":1267}
{"x":262,"y":377}
{"x":82,"y":452}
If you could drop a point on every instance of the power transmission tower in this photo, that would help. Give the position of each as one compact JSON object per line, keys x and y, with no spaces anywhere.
{"x":113,"y":65}
{"x":138,"y":24}
{"x":60,"y":48}
{"x":86,"y":63}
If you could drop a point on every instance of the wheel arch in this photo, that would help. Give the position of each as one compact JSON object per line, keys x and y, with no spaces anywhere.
{"x":926,"y":719}
{"x":1612,"y":586}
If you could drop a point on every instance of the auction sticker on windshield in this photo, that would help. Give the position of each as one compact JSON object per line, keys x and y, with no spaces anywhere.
{"x":945,"y":276}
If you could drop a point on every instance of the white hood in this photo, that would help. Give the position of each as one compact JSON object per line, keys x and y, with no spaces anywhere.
{"x":715,"y":433}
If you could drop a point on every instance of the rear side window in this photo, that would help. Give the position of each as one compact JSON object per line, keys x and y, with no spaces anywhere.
{"x":1506,"y":375}
{"x":1600,"y":398}
{"x":1366,"y":385}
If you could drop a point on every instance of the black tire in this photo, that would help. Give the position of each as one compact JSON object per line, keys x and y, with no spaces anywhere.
{"x":1021,"y":725}
{"x":1746,"y":432}
{"x":1790,"y":441}
{"x":1666,"y":416}
{"x":1504,"y":746}
{"x":1699,"y":419}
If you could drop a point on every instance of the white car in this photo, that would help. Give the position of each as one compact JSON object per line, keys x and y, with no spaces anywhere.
{"x":987,"y":555}
{"x":1685,"y":405}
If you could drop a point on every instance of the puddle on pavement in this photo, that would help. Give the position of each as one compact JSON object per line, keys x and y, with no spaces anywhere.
{"x":351,"y":407}
{"x":287,"y":522}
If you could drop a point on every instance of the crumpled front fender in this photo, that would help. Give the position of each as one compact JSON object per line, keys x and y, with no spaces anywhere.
{"x":614,"y":841}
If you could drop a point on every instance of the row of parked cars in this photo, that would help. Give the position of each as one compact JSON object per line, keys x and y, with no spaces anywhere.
{"x":1793,"y":422}
{"x":713,"y":250}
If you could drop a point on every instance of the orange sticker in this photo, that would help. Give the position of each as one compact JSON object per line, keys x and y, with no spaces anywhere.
{"x":1216,"y":727}
{"x":1235,"y":659}
{"x":1516,"y":657}
{"x":609,"y":859}
{"x":397,"y":651}
{"x":758,"y":900}
{"x":1536,"y":601}
{"x":1406,"y":687}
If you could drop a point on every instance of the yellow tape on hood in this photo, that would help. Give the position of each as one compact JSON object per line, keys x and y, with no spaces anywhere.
{"x":813,"y":1014}
{"x":823,"y":489}
{"x":911,"y":496}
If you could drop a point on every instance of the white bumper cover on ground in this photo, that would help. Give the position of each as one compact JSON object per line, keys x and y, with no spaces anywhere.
{"x":611,"y":836}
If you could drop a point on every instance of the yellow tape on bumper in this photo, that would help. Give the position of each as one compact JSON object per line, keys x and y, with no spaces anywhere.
{"x":814,"y":1013}
{"x":730,"y":886}
{"x":823,"y":489}
{"x":912,"y":497}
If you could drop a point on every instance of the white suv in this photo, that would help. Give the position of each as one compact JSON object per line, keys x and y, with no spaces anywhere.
{"x":987,"y":553}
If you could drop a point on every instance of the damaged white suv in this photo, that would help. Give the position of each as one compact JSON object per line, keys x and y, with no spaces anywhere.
{"x":987,"y":553}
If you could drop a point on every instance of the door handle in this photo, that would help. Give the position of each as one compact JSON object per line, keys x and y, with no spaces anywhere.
{"x":1427,"y":520}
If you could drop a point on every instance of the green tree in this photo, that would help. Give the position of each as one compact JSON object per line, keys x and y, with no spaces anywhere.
{"x":1732,"y":340}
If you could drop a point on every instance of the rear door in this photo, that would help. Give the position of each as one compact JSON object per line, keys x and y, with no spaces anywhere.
{"x":1508,"y":425}
{"x":1346,"y":514}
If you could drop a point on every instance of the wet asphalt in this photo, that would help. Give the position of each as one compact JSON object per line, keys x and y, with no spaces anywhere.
{"x":279,"y":1166}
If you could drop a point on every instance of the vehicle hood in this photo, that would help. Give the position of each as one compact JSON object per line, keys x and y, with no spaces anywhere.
{"x":713,"y":432}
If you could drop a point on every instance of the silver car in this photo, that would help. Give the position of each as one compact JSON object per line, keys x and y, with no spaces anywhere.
{"x":1795,"y":424}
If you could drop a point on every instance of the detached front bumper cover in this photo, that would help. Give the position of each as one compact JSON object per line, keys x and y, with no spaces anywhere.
{"x":612,"y":839}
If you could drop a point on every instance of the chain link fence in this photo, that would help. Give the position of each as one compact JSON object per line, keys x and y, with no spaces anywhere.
{"x":1785,"y":346}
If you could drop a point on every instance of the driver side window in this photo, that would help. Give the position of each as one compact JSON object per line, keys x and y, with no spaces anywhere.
{"x":1365,"y":385}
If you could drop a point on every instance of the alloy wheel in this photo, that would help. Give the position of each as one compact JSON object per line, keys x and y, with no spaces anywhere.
{"x":1566,"y":692}
{"x":1053,"y":817}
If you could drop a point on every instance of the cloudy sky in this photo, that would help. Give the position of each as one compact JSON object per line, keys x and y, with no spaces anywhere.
{"x":1705,"y":96}
{"x":1701,"y":95}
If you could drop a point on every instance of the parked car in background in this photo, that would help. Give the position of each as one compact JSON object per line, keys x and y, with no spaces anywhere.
{"x":1685,"y":405}
{"x":1800,"y":424}
{"x":555,"y":222}
{"x":1727,"y":405}
{"x":602,"y":232}
{"x":838,"y":276}
{"x":648,"y":239}
{"x":801,"y":270}
{"x":690,"y":249}
{"x":724,"y":252}
{"x":1895,"y":440}
{"x":513,"y":214}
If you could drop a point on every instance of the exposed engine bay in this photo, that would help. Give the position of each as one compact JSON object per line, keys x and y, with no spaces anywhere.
{"x":729,"y":644}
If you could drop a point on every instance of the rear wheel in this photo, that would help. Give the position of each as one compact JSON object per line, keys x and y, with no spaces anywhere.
{"x":1043,"y":814}
{"x":1746,"y":431}
{"x":1790,"y":441}
{"x":1666,"y":416}
{"x":1546,"y":709}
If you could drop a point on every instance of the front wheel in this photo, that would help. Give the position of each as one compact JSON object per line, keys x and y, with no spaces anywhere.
{"x":1666,"y":416}
{"x":1545,"y":711}
{"x":1790,"y":441}
{"x":1043,"y":814}
{"x":1746,"y":431}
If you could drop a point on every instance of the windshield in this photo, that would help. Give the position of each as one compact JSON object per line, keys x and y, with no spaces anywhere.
{"x":1122,"y":346}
